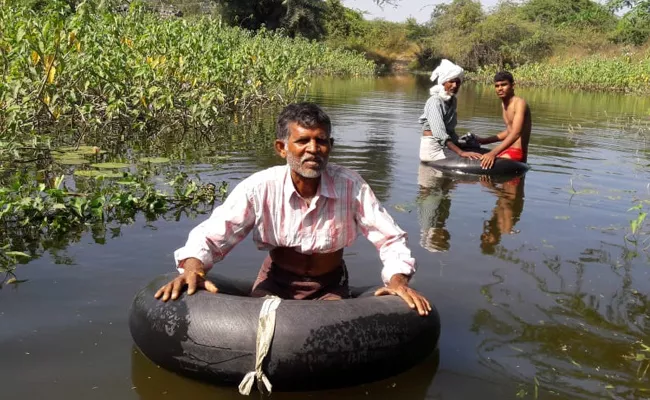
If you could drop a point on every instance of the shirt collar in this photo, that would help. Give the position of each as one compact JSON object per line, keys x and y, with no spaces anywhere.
{"x":325,"y":188}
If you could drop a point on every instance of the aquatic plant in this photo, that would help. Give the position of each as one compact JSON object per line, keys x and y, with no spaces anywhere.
{"x":38,"y":210}
{"x":91,"y":69}
{"x":623,"y":73}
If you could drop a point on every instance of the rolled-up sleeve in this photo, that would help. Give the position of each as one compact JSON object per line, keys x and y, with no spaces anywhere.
{"x":228,"y":225}
{"x":379,"y":228}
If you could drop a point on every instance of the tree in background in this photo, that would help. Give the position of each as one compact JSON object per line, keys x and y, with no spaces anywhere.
{"x":306,"y":18}
{"x":569,"y":12}
{"x":634,"y":26}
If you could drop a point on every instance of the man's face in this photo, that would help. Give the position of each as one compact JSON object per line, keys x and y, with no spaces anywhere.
{"x":452,"y":86}
{"x":504,"y":89}
{"x":306,"y":150}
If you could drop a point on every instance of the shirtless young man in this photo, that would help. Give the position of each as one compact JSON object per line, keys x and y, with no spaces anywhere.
{"x":516,"y":115}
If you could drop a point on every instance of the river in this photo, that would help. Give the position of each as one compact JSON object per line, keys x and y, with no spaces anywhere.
{"x":539,"y":292}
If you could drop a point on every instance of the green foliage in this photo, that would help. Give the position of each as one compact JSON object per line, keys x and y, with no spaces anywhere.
{"x":460,"y":16}
{"x":593,"y":72}
{"x":637,"y":225}
{"x":342,"y":22}
{"x":575,"y":13}
{"x":75,"y":70}
{"x":517,"y":34}
{"x":634,"y":27}
{"x":472,"y":38}
{"x":296,"y":17}
{"x":57,"y":73}
{"x":42,"y":210}
{"x":382,"y":41}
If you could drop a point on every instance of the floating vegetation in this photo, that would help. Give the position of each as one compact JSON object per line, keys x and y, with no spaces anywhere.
{"x":41,"y":211}
{"x":92,"y":173}
{"x":154,"y":160}
{"x":573,"y":191}
{"x":81,"y":150}
{"x":110,"y":165}
{"x":72,"y":161}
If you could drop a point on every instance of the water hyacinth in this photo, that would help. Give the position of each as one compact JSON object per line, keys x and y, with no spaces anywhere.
{"x":94,"y":69}
{"x":622,"y":73}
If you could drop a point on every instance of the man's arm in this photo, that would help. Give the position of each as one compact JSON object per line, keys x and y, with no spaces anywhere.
{"x":398,"y":265}
{"x":493,"y":139}
{"x":209,"y":242}
{"x":511,"y":135}
{"x":434,"y":116}
{"x":467,"y":154}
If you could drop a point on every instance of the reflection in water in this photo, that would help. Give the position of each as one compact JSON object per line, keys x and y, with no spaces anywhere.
{"x":582,"y":343}
{"x":153,"y":383}
{"x":434,"y":205}
{"x":507,"y":211}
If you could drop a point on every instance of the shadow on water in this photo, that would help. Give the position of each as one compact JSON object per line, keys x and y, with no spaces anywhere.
{"x":152,"y":382}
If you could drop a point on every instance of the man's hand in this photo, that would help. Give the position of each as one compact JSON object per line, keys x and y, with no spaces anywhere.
{"x":470,"y":154}
{"x":398,"y":286}
{"x":193,"y":277}
{"x":487,"y":160}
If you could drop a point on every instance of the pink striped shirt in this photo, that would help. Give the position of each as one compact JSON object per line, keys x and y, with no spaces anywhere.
{"x":268,"y":204}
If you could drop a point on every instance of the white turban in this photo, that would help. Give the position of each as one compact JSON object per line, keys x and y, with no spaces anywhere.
{"x":445,"y":72}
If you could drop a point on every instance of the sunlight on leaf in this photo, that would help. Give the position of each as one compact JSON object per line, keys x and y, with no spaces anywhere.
{"x":109,"y":165}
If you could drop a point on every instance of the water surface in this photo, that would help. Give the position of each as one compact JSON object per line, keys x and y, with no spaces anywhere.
{"x":539,"y":293}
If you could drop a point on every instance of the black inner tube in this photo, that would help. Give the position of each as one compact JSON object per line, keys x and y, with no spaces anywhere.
{"x":317,"y":344}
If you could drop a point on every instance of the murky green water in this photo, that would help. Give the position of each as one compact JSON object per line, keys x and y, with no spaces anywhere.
{"x":538,"y":291}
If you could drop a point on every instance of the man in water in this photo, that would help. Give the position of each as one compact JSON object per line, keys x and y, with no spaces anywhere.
{"x":304,"y":213}
{"x":439,"y":139}
{"x":516,"y":115}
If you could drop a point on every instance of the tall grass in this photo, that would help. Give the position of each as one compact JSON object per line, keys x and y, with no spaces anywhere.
{"x":93,"y":69}
{"x":623,"y":73}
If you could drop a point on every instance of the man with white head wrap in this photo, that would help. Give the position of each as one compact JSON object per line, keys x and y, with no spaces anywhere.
{"x":439,"y":139}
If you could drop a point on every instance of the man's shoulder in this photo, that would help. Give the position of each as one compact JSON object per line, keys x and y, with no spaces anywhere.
{"x":265,"y":176}
{"x":341,"y":173}
{"x":520,"y":101}
{"x":434,"y":100}
{"x":515,"y":103}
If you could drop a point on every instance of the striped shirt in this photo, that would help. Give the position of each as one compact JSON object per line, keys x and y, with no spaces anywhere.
{"x":268,"y":204}
{"x":440,"y":118}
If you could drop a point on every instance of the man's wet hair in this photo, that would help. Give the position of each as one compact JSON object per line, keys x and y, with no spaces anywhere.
{"x":504,"y":76}
{"x":307,"y":115}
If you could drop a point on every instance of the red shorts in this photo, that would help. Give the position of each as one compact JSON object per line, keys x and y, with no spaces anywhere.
{"x":513,"y":153}
{"x":274,"y":280}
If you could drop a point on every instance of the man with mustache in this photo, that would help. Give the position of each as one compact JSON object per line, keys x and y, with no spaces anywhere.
{"x":439,"y":139}
{"x":304,"y":214}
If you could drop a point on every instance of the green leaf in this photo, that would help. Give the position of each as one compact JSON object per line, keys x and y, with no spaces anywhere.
{"x":81,"y":150}
{"x":97,"y":174}
{"x":72,"y":161}
{"x":17,"y":254}
{"x":155,"y":160}
{"x":20,"y":34}
{"x":109,"y":165}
